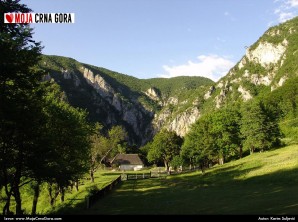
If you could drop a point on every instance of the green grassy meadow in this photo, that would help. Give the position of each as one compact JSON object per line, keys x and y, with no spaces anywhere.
{"x":262,"y":183}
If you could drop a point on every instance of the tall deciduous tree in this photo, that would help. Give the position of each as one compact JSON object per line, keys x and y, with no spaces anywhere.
{"x":259,"y":126}
{"x":116,"y":135}
{"x":41,"y":137}
{"x":225,"y":129}
{"x":19,"y":102}
{"x":166,"y":144}
{"x":96,"y":149}
{"x":69,"y":143}
{"x":104,"y":147}
{"x":199,"y":143}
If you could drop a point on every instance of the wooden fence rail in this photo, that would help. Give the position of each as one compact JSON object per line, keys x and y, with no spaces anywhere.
{"x":97,"y":194}
{"x":154,"y":174}
{"x":135,"y":176}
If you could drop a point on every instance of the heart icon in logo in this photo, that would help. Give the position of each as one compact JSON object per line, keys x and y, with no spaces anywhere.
{"x":9,"y":17}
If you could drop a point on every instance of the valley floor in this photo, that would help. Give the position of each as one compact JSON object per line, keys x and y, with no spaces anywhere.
{"x":260,"y":184}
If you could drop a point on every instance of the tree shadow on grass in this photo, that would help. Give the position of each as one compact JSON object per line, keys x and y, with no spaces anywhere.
{"x":218,"y":192}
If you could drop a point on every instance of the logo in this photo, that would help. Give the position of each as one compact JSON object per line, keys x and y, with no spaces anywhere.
{"x":25,"y":18}
{"x":9,"y":17}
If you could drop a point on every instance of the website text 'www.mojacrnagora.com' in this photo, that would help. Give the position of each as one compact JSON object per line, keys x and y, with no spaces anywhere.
{"x":26,"y":218}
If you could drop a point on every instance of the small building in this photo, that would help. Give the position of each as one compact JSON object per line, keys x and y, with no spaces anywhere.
{"x":128,"y":162}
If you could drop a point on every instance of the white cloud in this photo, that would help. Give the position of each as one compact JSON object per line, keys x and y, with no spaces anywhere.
{"x":286,"y":10}
{"x":284,"y":16}
{"x":293,"y":3}
{"x":210,"y":66}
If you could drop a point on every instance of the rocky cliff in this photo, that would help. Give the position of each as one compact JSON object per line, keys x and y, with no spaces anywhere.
{"x":138,"y":105}
{"x":266,"y":65}
{"x":144,"y":107}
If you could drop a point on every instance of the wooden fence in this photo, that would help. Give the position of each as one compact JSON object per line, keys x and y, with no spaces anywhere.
{"x":97,"y":194}
{"x":159,"y":174}
{"x":154,"y":174}
{"x":184,"y":171}
{"x":135,"y":176}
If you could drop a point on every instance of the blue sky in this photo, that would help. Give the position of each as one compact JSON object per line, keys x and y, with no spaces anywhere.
{"x":159,"y":38}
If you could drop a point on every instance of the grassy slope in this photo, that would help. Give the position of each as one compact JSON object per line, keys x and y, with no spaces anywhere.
{"x":264,"y":183}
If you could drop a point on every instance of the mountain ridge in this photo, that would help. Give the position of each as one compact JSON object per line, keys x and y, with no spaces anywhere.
{"x":113,"y":98}
{"x":144,"y":106}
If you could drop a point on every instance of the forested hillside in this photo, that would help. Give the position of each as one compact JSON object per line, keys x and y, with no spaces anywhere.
{"x":145,"y":106}
{"x":112,"y":98}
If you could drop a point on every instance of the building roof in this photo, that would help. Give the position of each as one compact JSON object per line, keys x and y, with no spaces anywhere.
{"x":127,"y":159}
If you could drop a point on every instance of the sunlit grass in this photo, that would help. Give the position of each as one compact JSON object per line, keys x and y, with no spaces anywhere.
{"x":262,"y":183}
{"x":74,"y":200}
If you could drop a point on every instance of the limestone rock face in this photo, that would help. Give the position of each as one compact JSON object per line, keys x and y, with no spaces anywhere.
{"x":66,"y":73}
{"x":266,"y":53}
{"x":179,"y":123}
{"x":261,"y":80}
{"x":182,"y":122}
{"x":152,"y":94}
{"x":131,"y":112}
{"x":173,"y":101}
{"x":210,"y":91}
{"x":98,"y":83}
{"x":245,"y":94}
{"x":258,"y":66}
{"x":160,"y":120}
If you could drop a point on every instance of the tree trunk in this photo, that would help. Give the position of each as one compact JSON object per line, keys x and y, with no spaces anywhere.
{"x":240,"y":152}
{"x":106,"y":154}
{"x":77,"y":184}
{"x":52,"y":201}
{"x":52,"y":196}
{"x":6,"y":210}
{"x":92,"y":175}
{"x":202,"y":168}
{"x":166,"y":165}
{"x":35,"y":198}
{"x":62,"y":193}
{"x":17,"y":197}
{"x":252,"y":149}
{"x":221,"y":160}
{"x":17,"y":181}
{"x":71,"y":185}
